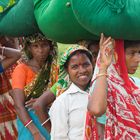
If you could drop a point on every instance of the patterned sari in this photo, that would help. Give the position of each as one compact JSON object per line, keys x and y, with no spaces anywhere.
{"x":43,"y":80}
{"x":123,"y":108}
{"x":8,"y":128}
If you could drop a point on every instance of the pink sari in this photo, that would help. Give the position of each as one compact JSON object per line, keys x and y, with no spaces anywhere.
{"x":123,"y":109}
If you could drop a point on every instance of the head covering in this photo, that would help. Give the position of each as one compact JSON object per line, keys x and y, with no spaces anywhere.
{"x":27,"y":41}
{"x":63,"y":80}
{"x":123,"y":102}
{"x":47,"y":76}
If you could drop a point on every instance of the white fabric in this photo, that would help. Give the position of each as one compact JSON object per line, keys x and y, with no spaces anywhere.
{"x":136,"y":81}
{"x":68,"y":114}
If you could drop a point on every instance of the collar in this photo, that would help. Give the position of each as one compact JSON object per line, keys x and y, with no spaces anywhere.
{"x":75,"y":89}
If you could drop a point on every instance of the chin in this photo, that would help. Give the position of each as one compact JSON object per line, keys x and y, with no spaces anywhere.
{"x":132,"y":72}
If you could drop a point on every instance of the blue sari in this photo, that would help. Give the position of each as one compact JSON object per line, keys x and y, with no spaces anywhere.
{"x":25,"y":134}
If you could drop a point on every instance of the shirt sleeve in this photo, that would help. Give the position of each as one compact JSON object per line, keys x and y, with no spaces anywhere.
{"x":59,"y":120}
{"x":1,"y":68}
{"x":19,"y":78}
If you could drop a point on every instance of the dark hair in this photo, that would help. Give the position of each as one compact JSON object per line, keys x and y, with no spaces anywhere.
{"x":129,"y":44}
{"x":93,"y":42}
{"x":88,"y":54}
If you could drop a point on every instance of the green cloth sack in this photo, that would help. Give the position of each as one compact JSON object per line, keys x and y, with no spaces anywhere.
{"x":56,"y":20}
{"x":117,"y":18}
{"x":18,"y":20}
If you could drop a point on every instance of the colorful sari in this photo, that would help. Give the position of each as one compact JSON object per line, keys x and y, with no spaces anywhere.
{"x":8,"y":127}
{"x":123,"y":108}
{"x":34,"y":85}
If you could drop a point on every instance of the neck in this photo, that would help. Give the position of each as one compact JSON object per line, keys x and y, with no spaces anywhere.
{"x":35,"y":65}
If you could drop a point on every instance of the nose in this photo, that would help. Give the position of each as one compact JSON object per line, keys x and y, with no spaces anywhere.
{"x":137,"y":57}
{"x":82,"y":69}
{"x":40,"y":49}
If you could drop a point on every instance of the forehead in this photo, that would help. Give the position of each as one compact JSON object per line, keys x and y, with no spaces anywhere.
{"x":136,"y":48}
{"x":79,"y":57}
{"x":40,"y":42}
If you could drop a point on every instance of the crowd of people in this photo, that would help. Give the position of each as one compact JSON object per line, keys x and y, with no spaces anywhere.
{"x":88,"y":95}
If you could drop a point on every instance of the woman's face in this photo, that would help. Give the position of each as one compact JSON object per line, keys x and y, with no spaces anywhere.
{"x":80,"y":70}
{"x":132,"y":58}
{"x":40,"y":50}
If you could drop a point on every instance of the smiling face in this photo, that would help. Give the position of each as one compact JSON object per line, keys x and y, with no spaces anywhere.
{"x":40,"y":50}
{"x":132,"y":58}
{"x":80,"y":69}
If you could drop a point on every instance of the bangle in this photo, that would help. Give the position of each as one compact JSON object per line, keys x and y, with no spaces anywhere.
{"x":45,"y":121}
{"x":29,"y":122}
{"x":2,"y":51}
{"x":101,"y":74}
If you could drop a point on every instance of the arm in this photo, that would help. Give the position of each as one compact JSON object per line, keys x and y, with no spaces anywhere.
{"x":41,"y":107}
{"x":11,"y":56}
{"x":18,"y":83}
{"x":98,"y":100}
{"x":19,"y":101}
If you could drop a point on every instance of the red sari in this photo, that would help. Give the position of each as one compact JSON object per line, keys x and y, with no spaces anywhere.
{"x":123,"y":108}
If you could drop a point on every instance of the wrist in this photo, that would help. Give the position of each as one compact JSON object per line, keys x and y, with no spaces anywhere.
{"x":102,"y":70}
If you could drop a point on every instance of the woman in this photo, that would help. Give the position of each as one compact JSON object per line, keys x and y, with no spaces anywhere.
{"x":50,"y":95}
{"x":8,"y":128}
{"x":29,"y":80}
{"x":122,"y":99}
{"x":67,"y":114}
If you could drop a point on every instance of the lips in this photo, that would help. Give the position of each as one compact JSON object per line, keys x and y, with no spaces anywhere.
{"x":83,"y":77}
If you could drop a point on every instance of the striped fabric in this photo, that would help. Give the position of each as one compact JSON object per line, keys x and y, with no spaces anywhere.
{"x":8,"y":128}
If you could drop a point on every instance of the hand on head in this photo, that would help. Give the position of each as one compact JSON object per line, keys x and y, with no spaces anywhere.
{"x":106,"y":51}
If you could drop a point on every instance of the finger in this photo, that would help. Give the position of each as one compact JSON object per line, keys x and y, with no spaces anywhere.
{"x":30,"y":101}
{"x":107,"y":40}
{"x":101,"y":39}
{"x":29,"y":105}
{"x":107,"y":48}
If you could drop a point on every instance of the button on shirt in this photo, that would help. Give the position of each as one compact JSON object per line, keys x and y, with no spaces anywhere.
{"x":68,"y":114}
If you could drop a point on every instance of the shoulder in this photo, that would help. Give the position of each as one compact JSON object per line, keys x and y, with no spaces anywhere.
{"x":22,"y":66}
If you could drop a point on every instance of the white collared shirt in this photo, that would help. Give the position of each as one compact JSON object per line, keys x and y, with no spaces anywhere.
{"x":68,"y":114}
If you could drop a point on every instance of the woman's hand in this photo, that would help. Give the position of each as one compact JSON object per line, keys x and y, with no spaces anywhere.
{"x":29,"y":104}
{"x":38,"y":136}
{"x":106,"y":52}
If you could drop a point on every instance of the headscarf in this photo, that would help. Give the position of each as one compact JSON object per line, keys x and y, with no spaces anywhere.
{"x":123,"y":102}
{"x":63,"y":80}
{"x":47,"y":76}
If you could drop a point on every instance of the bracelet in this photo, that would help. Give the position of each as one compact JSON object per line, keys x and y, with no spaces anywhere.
{"x":2,"y":51}
{"x":29,"y":122}
{"x":101,"y":74}
{"x":45,"y":121}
